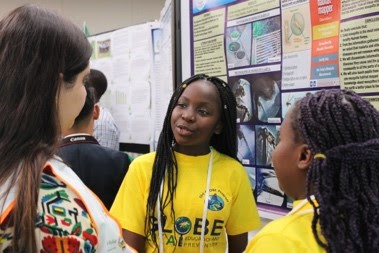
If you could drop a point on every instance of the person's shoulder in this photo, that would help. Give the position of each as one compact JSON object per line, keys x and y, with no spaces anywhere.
{"x":287,"y":225}
{"x":145,"y":159}
{"x":287,"y":234}
{"x":277,"y":226}
{"x":113,"y":153}
{"x":142,"y":166}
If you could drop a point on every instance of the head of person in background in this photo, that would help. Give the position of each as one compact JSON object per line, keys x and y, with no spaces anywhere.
{"x":99,"y":82}
{"x":329,"y":149}
{"x":43,"y":64}
{"x":105,"y":130}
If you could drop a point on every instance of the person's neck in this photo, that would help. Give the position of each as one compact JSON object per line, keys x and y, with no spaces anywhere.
{"x":79,"y":130}
{"x":192,"y":151}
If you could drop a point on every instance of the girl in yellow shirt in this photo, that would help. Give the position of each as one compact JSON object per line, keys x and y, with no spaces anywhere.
{"x":327,"y":161}
{"x":191,"y":195}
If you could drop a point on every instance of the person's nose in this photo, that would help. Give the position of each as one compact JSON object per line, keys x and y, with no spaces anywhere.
{"x":188,"y":115}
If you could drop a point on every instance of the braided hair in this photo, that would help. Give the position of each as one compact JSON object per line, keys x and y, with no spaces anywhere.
{"x":345,"y":128}
{"x":165,"y":164}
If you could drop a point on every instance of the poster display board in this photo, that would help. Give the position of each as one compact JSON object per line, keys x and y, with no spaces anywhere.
{"x":273,"y":52}
{"x":125,"y":56}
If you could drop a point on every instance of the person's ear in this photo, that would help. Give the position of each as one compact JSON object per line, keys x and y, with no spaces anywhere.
{"x":219,"y":127}
{"x":305,"y":157}
{"x":96,"y":111}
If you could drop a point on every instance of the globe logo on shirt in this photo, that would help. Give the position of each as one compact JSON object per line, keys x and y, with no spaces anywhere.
{"x":215,"y":203}
{"x":183,"y":225}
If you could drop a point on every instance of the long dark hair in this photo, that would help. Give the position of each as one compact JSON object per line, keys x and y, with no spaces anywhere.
{"x":36,"y":46}
{"x":165,"y":161}
{"x":345,"y":128}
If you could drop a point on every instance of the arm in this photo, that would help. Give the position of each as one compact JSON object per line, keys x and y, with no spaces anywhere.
{"x":237,"y":243}
{"x":134,"y":240}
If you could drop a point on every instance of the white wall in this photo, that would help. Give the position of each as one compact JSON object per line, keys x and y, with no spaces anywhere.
{"x":99,"y":15}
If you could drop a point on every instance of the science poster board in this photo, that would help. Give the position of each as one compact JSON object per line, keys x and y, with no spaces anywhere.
{"x":125,"y":56}
{"x":272,"y":53}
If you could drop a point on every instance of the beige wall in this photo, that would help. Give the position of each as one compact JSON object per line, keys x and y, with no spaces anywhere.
{"x":99,"y":15}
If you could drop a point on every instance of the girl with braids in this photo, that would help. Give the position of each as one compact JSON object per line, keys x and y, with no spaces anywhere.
{"x":44,"y":62}
{"x":327,"y":161}
{"x":191,"y":193}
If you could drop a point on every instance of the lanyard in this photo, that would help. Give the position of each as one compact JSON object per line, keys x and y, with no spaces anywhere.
{"x":301,"y":205}
{"x":79,"y":138}
{"x":205,"y":209}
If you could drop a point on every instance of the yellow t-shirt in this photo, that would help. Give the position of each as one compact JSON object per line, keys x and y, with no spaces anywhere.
{"x":292,"y":233}
{"x":231,"y":210}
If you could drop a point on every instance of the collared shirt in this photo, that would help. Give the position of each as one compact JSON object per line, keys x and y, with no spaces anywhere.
{"x":292,"y":233}
{"x":105,"y":131}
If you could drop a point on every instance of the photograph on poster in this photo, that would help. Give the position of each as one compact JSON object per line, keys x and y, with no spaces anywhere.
{"x":290,"y":98}
{"x":266,"y":42}
{"x":202,"y":5}
{"x":266,"y":97}
{"x":267,"y":188}
{"x":238,"y":46}
{"x":251,"y":173}
{"x":246,"y":142}
{"x":104,"y":48}
{"x":242,"y":91}
{"x":267,"y":137}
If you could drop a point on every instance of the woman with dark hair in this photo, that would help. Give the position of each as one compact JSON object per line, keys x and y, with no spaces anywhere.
{"x":327,"y":160}
{"x":191,"y":195}
{"x":44,"y":62}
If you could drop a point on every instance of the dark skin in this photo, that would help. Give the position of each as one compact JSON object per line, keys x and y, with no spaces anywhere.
{"x":134,"y":240}
{"x":237,"y":243}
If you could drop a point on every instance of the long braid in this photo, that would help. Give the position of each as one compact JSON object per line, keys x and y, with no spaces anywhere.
{"x":165,"y":166}
{"x":345,"y":128}
{"x":226,"y":141}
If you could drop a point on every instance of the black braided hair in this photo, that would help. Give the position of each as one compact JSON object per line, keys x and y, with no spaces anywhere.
{"x":345,"y":128}
{"x":165,"y":162}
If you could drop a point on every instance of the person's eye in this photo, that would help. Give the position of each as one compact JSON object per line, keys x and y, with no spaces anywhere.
{"x":203,"y":112}
{"x":181,"y":105}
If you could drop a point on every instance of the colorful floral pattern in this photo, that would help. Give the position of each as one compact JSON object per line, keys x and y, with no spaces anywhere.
{"x":63,"y":223}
